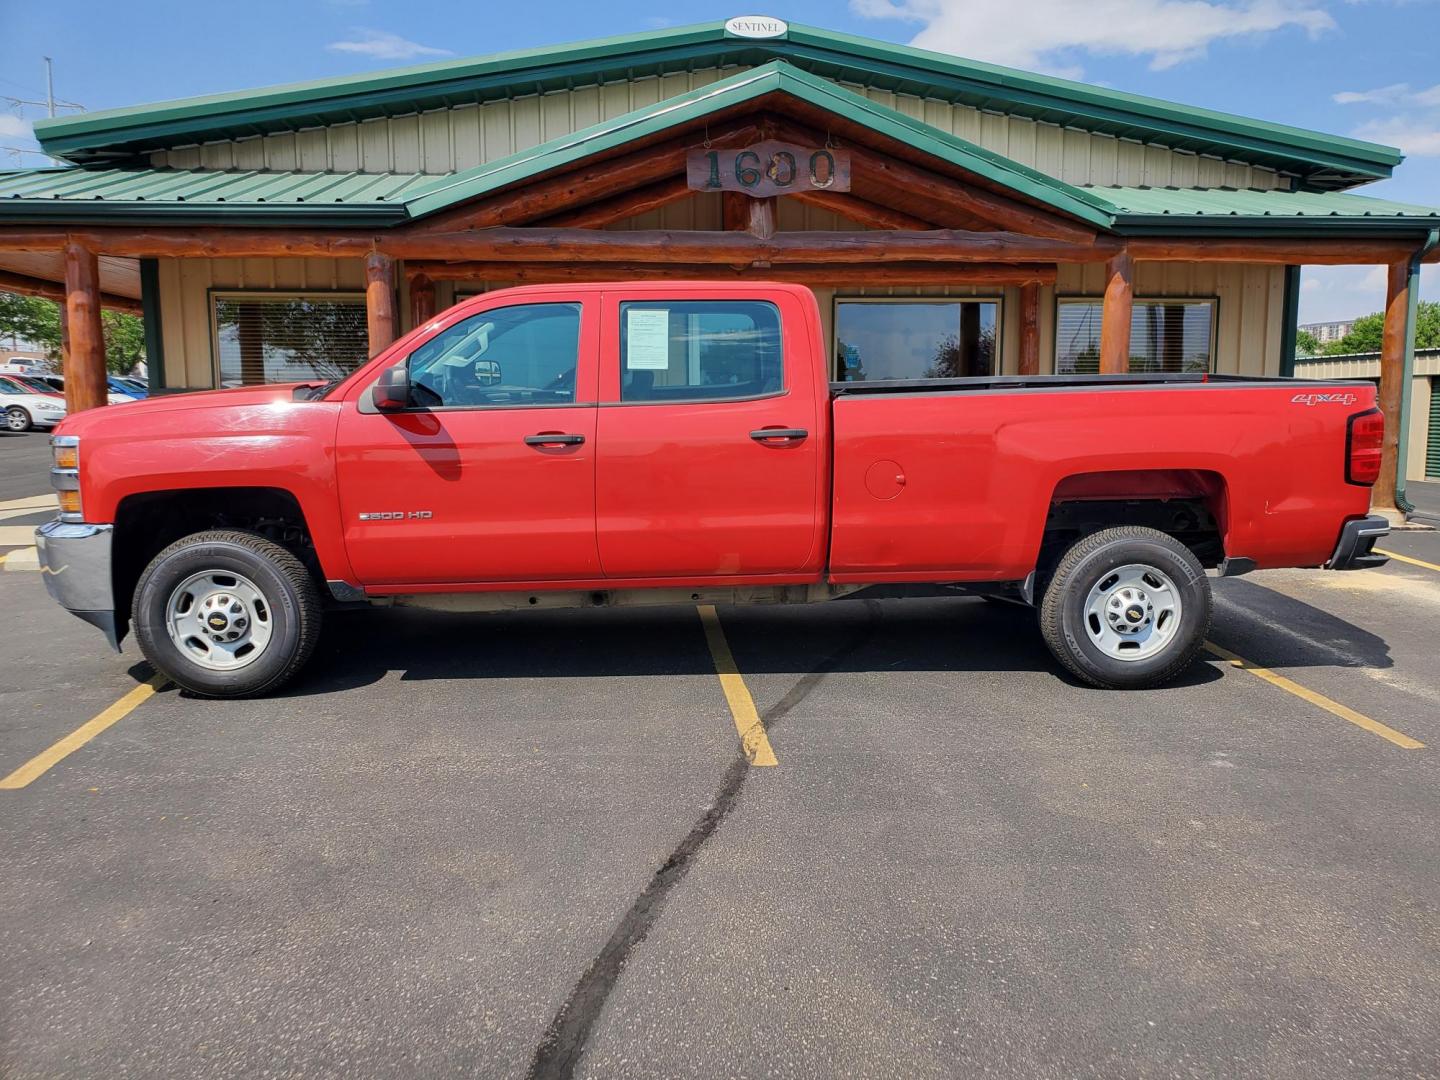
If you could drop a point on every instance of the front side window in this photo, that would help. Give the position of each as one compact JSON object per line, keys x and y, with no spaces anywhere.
{"x":1165,"y":336}
{"x":521,"y":355}
{"x":940,"y":339}
{"x":267,"y":338}
{"x":705,"y":350}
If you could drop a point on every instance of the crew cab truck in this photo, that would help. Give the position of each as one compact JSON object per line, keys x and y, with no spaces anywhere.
{"x":600,"y":444}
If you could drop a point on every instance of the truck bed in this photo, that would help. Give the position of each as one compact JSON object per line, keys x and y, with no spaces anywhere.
{"x":1068,"y":382}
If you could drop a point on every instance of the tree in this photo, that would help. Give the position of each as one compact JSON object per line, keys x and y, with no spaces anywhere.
{"x":1366,"y":335}
{"x":37,"y":320}
{"x":1306,"y":344}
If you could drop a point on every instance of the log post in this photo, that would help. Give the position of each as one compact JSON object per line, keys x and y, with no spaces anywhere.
{"x":1030,"y":328}
{"x":422,"y":300}
{"x":1116,"y":314}
{"x":1392,"y":385}
{"x":379,"y":301}
{"x":84,"y":359}
{"x":740,"y":213}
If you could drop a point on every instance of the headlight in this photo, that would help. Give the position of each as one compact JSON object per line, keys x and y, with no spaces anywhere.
{"x":49,"y":406}
{"x":65,"y":476}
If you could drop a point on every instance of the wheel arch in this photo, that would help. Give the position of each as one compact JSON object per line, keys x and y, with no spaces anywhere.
{"x":148,"y":522}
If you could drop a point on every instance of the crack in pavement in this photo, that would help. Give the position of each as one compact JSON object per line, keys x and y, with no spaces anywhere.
{"x":564,"y":1040}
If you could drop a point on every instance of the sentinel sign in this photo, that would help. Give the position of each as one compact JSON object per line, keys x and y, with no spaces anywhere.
{"x":756,"y":26}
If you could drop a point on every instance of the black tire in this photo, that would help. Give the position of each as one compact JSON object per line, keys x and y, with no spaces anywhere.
{"x":1083,"y":566}
{"x":289,"y":593}
{"x":18,"y":419}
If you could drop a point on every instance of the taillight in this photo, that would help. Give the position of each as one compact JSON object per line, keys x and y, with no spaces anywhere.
{"x":1364,"y":435}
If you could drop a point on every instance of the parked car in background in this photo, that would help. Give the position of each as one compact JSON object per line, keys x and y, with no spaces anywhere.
{"x":117,"y":391}
{"x":136,"y":388}
{"x":22,"y":407}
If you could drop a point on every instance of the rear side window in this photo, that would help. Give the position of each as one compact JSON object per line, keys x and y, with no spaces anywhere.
{"x":699,"y":350}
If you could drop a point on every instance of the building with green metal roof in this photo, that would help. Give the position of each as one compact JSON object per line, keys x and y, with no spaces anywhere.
{"x":1008,"y":201}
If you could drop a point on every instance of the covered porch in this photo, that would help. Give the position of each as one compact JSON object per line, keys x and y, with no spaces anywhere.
{"x":771,"y":174}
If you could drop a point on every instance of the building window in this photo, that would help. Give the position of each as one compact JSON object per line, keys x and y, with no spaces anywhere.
{"x":712,"y":350}
{"x":914,"y":339}
{"x":1165,"y":336}
{"x":288,"y":337}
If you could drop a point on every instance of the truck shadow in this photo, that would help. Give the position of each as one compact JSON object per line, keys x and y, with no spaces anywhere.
{"x":959,"y":634}
{"x":1273,"y":629}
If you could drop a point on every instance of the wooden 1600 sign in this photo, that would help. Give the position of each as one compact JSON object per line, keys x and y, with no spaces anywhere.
{"x":768,"y":168}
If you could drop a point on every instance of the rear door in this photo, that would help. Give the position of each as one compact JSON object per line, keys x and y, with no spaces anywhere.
{"x":710,"y":443}
{"x":490,"y":474}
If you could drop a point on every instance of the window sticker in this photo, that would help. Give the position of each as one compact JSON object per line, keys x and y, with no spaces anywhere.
{"x":647,"y":339}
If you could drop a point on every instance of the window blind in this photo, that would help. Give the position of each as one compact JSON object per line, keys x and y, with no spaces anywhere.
{"x":1165,"y":336}
{"x":266,"y":339}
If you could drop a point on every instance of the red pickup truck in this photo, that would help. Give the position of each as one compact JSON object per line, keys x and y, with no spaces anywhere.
{"x":678,"y":443}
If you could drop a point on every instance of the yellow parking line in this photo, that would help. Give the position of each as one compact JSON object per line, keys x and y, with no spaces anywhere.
{"x":41,"y":763}
{"x":1334,"y":708}
{"x":751,"y":728}
{"x":1407,"y":558}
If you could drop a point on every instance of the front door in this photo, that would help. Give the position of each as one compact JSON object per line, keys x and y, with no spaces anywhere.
{"x":687,"y":484}
{"x":489,"y":476}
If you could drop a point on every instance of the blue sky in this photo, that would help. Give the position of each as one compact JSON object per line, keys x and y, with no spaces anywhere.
{"x":1364,"y":67}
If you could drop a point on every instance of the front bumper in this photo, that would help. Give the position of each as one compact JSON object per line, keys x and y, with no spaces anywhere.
{"x":75,"y":563}
{"x":1355,"y":551}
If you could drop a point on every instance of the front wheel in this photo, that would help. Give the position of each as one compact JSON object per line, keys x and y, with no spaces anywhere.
{"x":227,"y":614}
{"x":1126,"y":608}
{"x":17,"y":419}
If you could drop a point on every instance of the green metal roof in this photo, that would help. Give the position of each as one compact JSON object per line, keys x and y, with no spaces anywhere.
{"x":1326,"y":161}
{"x":1168,"y":209}
{"x":233,"y":196}
{"x":92,"y":195}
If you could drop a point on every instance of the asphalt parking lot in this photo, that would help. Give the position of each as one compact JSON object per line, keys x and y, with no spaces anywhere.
{"x":530,"y":844}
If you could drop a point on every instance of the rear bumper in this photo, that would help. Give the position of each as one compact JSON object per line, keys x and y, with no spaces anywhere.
{"x":1357,"y":541}
{"x":75,"y":563}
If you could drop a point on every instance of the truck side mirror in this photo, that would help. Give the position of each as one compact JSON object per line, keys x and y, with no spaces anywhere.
{"x":392,"y":392}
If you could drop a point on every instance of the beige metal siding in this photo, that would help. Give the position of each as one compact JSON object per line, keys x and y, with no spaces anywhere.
{"x":185,"y":286}
{"x":449,"y":140}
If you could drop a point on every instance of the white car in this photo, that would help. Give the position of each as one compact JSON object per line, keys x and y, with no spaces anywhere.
{"x":22,"y":409}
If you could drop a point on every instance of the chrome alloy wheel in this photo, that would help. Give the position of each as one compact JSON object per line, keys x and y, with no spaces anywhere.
{"x":17,"y":419}
{"x":1132,"y":612}
{"x":219,"y":620}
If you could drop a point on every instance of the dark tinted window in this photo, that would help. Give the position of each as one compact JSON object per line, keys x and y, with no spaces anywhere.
{"x":521,"y":355}
{"x":699,"y":349}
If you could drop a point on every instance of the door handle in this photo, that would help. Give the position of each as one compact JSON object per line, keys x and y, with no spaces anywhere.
{"x":785,"y":434}
{"x":553,"y":438}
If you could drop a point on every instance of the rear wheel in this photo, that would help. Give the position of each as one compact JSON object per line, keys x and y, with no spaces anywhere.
{"x":17,"y":419}
{"x":227,"y":614}
{"x":1126,"y":608}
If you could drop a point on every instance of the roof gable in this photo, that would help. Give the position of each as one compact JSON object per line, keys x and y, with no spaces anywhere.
{"x":1322,"y":160}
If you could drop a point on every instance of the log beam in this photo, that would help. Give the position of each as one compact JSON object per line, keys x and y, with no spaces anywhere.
{"x":862,"y":212}
{"x":640,"y":200}
{"x":1392,"y":383}
{"x":25,"y":285}
{"x":983,"y":274}
{"x":1115,"y":316}
{"x":954,"y":245}
{"x":379,"y":301}
{"x":84,"y":356}
{"x":1030,"y":328}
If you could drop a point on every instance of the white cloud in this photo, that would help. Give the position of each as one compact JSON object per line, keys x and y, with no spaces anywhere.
{"x":1039,"y":33}
{"x":1417,"y":136}
{"x":382,"y":45}
{"x":1414,"y":122}
{"x":15,"y":127}
{"x":1335,"y":293}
